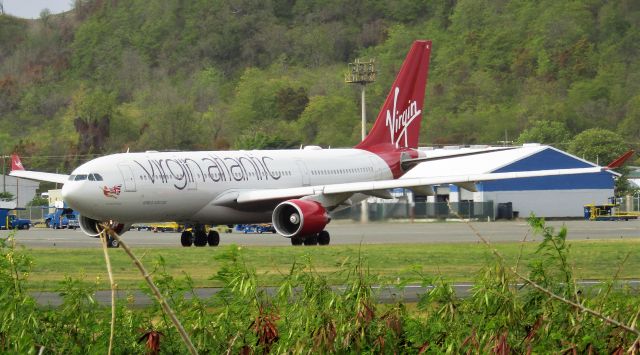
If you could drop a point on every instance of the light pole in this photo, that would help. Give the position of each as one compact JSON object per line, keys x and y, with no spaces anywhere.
{"x":362,"y":73}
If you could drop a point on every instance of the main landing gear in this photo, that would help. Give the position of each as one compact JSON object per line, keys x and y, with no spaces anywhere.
{"x":199,"y":237}
{"x":322,"y":238}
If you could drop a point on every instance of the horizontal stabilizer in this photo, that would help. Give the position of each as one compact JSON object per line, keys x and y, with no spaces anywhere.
{"x":618,"y":162}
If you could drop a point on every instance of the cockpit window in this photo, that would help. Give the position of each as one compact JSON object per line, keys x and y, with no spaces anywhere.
{"x":98,"y":177}
{"x":80,"y":177}
{"x":71,"y":177}
{"x":91,"y":177}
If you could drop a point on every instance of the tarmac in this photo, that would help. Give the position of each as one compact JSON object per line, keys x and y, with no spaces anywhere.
{"x":350,"y":232}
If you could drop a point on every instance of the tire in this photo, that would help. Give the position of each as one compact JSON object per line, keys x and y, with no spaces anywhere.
{"x":200,"y":238}
{"x":324,"y":238}
{"x":186,"y":239}
{"x":27,"y":227}
{"x":113,"y":243}
{"x":213,"y":238}
{"x":296,"y":241}
{"x":310,"y":240}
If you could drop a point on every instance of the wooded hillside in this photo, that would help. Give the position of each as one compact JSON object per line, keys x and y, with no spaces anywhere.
{"x":113,"y":75}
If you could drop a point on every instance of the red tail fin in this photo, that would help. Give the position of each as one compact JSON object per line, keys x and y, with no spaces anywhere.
{"x":16,"y":164}
{"x":399,"y":119}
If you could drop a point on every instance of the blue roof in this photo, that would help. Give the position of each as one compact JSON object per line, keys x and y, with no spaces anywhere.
{"x":546,"y":159}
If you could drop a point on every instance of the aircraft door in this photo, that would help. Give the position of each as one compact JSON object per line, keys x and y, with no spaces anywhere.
{"x":127,"y":177}
{"x":378,"y":174}
{"x":304,"y":172}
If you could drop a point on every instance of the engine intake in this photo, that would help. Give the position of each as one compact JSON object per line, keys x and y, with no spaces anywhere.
{"x":92,"y":228}
{"x":299,"y":218}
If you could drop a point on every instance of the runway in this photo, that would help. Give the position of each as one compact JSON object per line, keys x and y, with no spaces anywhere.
{"x":348,"y":232}
{"x":384,"y":294}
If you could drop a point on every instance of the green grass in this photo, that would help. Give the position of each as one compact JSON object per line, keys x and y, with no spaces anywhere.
{"x":455,"y":262}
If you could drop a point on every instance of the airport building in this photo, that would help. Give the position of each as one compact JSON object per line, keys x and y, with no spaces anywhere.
{"x":23,"y":191}
{"x":551,"y":196}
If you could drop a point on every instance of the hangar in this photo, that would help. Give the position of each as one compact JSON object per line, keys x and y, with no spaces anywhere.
{"x":551,"y":196}
{"x":23,"y":191}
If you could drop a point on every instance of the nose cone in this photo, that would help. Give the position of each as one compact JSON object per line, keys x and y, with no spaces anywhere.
{"x":72,"y":195}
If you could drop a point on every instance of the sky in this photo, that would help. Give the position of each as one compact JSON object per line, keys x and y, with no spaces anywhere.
{"x":32,"y":8}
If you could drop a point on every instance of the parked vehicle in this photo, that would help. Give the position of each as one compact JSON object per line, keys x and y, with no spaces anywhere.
{"x":62,"y":218}
{"x":11,"y":221}
{"x":256,"y":228}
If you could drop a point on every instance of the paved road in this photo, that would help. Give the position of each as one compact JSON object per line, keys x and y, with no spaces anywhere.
{"x":385,"y":294}
{"x":345,"y":232}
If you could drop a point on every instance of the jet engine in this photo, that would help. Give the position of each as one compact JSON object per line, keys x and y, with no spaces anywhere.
{"x":92,"y":227}
{"x":295,"y":218}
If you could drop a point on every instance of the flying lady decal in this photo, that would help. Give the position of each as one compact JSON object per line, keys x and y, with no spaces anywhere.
{"x":112,"y":192}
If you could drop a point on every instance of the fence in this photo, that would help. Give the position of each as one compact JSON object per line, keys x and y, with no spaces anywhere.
{"x":377,"y":211}
{"x":421,"y":210}
{"x":35,"y":214}
{"x":629,"y":205}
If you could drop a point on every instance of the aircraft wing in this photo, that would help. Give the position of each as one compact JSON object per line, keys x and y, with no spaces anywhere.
{"x":371,"y":186}
{"x":40,"y":176}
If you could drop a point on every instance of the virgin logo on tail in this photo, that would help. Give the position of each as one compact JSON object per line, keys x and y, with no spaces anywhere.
{"x":16,"y":164}
{"x":398,"y":123}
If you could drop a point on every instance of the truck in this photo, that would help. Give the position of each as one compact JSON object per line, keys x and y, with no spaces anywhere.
{"x":256,"y":228}
{"x":11,"y":221}
{"x":62,"y":218}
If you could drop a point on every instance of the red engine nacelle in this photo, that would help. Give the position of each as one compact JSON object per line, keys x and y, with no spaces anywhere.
{"x":299,"y":218}
{"x":92,"y":228}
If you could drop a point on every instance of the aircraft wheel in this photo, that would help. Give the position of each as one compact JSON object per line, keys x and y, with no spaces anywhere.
{"x":200,"y":238}
{"x":113,"y":243}
{"x":186,"y":239}
{"x":296,"y":241}
{"x":213,"y":238}
{"x":324,"y":238}
{"x":311,"y":240}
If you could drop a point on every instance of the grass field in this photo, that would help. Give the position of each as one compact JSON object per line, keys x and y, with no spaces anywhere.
{"x":455,"y":262}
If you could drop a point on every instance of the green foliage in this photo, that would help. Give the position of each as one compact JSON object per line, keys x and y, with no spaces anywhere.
{"x":6,"y":196}
{"x":545,"y":132}
{"x":38,"y":201}
{"x":330,"y":121}
{"x":305,"y":314}
{"x":598,"y":145}
{"x":197,"y":75}
{"x":262,"y":140}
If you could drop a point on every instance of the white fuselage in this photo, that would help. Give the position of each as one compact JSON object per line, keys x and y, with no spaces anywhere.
{"x":184,"y":186}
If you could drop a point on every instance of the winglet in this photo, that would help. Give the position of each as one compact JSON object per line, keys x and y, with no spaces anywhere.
{"x":16,"y":164}
{"x":618,"y":162}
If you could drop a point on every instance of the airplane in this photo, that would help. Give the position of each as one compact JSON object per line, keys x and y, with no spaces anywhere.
{"x":293,"y":189}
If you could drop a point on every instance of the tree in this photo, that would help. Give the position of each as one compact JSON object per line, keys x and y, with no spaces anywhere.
{"x":262,"y":140}
{"x":291,"y":103}
{"x":330,"y":121}
{"x":598,"y":145}
{"x":546,"y":132}
{"x":38,"y":201}
{"x":91,"y":111}
{"x":6,"y":196}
